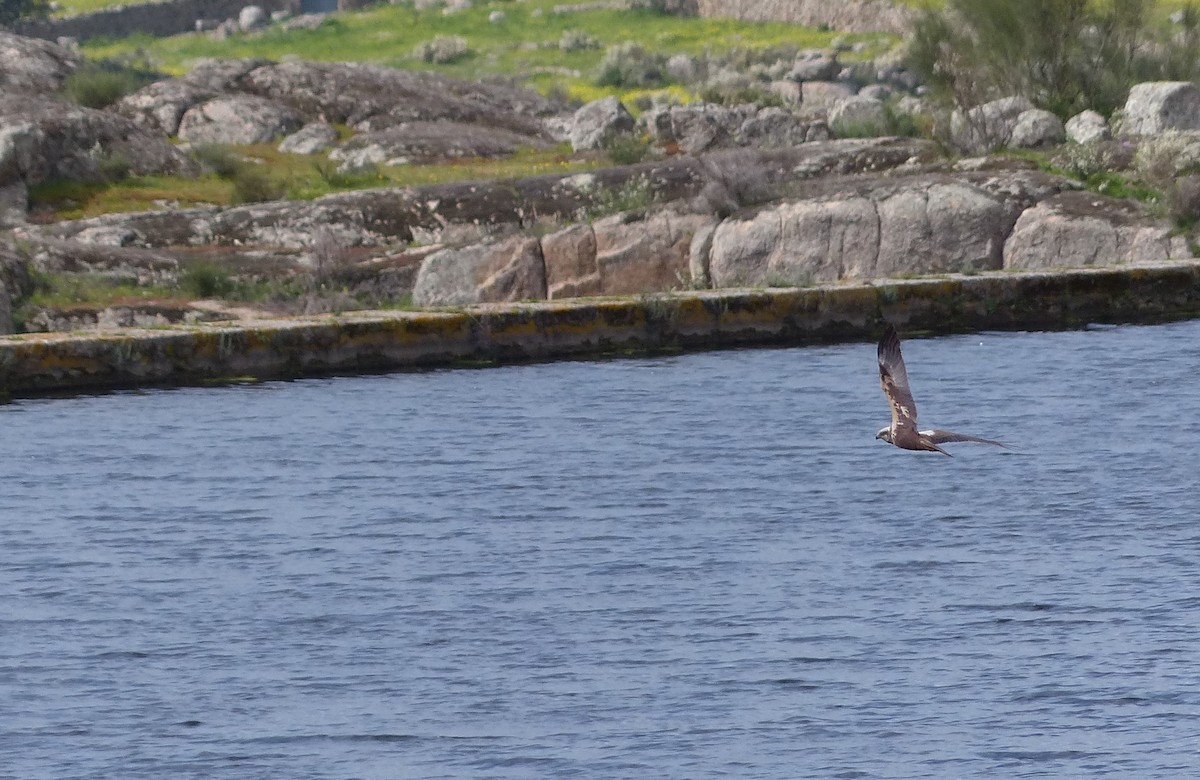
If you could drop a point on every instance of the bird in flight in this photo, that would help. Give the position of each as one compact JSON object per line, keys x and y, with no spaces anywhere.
{"x":903,"y":431}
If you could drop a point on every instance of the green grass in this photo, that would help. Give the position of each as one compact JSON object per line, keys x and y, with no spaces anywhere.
{"x":523,"y":46}
{"x":301,"y":178}
{"x":63,"y":291}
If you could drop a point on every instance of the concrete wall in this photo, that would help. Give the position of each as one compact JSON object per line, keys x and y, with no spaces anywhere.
{"x":371,"y":341}
{"x":162,"y":18}
{"x":844,"y":15}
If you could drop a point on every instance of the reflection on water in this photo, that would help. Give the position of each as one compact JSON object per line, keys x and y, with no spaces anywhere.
{"x":687,"y":567}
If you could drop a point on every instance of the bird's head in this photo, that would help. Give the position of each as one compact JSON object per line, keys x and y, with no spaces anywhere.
{"x":885,"y":434}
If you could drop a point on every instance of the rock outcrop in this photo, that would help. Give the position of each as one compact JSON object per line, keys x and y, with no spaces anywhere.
{"x":43,"y":138}
{"x":32,"y":65}
{"x":507,"y":270}
{"x":365,"y":97}
{"x":1037,"y":129}
{"x":702,"y":127}
{"x":596,"y":122}
{"x":1076,"y":229}
{"x":987,"y":127}
{"x":877,"y":228}
{"x":416,"y":142}
{"x":1087,"y":127}
{"x":238,"y":119}
{"x":313,"y":138}
{"x":1157,"y":106}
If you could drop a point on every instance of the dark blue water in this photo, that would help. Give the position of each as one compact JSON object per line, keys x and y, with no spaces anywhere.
{"x":689,"y":567}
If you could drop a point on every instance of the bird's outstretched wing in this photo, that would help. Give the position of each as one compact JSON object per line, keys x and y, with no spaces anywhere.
{"x":894,"y":379}
{"x":941,"y":437}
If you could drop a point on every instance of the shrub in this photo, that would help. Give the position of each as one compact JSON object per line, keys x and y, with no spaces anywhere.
{"x":114,"y":166}
{"x":577,"y":40}
{"x":205,"y":280}
{"x":12,"y":10}
{"x":1084,"y":161}
{"x":442,"y":50}
{"x":628,"y":65}
{"x":221,"y":160}
{"x":100,"y":83}
{"x":1065,"y":55}
{"x":634,"y":195}
{"x":625,"y":149}
{"x":327,"y":254}
{"x":1183,"y":201}
{"x":252,"y":184}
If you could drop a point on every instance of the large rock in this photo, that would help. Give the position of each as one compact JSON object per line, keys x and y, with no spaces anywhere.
{"x":1036,"y":129}
{"x":645,"y":254}
{"x":881,"y":227}
{"x":374,"y":97}
{"x":238,"y":119}
{"x":415,"y":142}
{"x":385,"y":216}
{"x":622,"y":254}
{"x":773,"y":128}
{"x":702,"y":127}
{"x":597,"y":121}
{"x":43,"y":138}
{"x":33,"y":65}
{"x":570,"y":257}
{"x":858,"y":116}
{"x":1076,"y":229}
{"x":252,"y":17}
{"x":1157,"y":106}
{"x":1087,"y":127}
{"x":161,"y":105}
{"x":365,"y":97}
{"x":987,"y":127}
{"x":313,"y":138}
{"x":508,"y":270}
{"x":814,"y":65}
{"x":821,"y":96}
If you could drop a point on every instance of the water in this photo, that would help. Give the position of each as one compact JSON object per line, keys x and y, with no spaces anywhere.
{"x":687,"y":567}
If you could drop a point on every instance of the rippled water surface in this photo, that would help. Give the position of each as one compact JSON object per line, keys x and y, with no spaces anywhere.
{"x":686,"y":567}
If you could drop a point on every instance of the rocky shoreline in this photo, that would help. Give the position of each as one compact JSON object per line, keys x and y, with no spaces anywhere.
{"x":35,"y":364}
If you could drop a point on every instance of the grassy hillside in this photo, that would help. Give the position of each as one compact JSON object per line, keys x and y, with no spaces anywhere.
{"x":525,"y":45}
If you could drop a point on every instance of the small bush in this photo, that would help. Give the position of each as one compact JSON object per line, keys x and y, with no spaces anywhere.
{"x":328,"y":256}
{"x":1183,"y":201}
{"x":628,"y":65}
{"x":334,"y":178}
{"x":442,"y":50}
{"x":577,"y":40}
{"x":100,"y":83}
{"x":251,"y":184}
{"x":634,"y":195}
{"x":625,"y":149}
{"x":114,"y":166}
{"x":221,"y":160}
{"x":205,"y":280}
{"x":1084,"y":161}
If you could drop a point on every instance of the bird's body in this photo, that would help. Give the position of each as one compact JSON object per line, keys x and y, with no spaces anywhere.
{"x":903,"y":431}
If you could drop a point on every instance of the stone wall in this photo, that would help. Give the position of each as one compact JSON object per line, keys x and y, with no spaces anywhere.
{"x":371,"y":341}
{"x":845,"y":15}
{"x":171,"y":17}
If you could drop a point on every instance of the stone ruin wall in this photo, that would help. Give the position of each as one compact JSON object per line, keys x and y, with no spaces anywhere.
{"x":171,"y":17}
{"x":845,"y":15}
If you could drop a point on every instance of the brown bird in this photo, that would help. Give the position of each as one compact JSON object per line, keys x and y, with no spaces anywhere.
{"x":903,"y":430}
